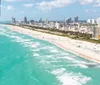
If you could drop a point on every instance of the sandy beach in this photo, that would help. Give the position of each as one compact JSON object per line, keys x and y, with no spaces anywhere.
{"x":86,"y":50}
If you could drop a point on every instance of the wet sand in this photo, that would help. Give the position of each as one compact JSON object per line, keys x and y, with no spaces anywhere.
{"x":86,"y":50}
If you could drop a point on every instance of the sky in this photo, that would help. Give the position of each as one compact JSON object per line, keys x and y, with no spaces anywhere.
{"x":49,"y":9}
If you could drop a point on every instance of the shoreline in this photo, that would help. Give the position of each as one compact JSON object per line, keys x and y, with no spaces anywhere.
{"x":67,"y":44}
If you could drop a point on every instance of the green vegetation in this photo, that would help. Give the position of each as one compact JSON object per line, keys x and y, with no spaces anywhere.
{"x":70,"y":34}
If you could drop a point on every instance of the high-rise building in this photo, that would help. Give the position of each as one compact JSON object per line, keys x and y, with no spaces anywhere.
{"x":76,"y":19}
{"x":96,"y":32}
{"x":69,"y":20}
{"x":93,"y":21}
{"x":13,"y":20}
{"x":40,"y":21}
{"x":46,"y":21}
{"x":25,"y":20}
{"x":98,"y":20}
{"x":89,"y":21}
{"x":31,"y":21}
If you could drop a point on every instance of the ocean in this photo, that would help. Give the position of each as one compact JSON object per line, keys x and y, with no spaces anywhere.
{"x":25,"y":60}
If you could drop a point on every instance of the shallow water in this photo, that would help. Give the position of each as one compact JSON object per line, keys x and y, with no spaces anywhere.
{"x":28,"y":61}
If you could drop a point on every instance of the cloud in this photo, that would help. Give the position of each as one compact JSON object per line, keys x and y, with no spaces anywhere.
{"x":87,"y":10}
{"x":53,"y":4}
{"x":7,"y":7}
{"x":47,"y":5}
{"x":10,"y":8}
{"x":90,"y":11}
{"x":97,"y":3}
{"x":12,"y":0}
{"x":92,"y":2}
{"x":86,"y":2}
{"x":16,"y":0}
{"x":28,"y":5}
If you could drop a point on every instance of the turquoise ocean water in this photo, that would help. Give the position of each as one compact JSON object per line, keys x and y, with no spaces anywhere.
{"x":28,"y":61}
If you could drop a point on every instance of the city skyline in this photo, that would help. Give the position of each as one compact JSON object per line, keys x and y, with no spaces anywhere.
{"x":51,"y":9}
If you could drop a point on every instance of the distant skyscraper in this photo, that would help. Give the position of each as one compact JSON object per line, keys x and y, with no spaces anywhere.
{"x":94,"y":32}
{"x":89,"y":21}
{"x":32,"y":21}
{"x":93,"y":21}
{"x":46,"y":21}
{"x":69,"y":20}
{"x":76,"y":19}
{"x":98,"y":20}
{"x":25,"y":19}
{"x":40,"y":20}
{"x":13,"y":20}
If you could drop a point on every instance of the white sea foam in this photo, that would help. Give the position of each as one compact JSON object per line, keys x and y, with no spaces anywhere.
{"x":70,"y":78}
{"x":78,"y":65}
{"x":2,"y":30}
{"x":68,"y":58}
{"x":45,"y":47}
{"x":58,"y":71}
{"x":35,"y":54}
{"x":44,"y":62}
{"x":54,"y":50}
{"x":35,"y":50}
{"x":29,"y":43}
{"x":25,"y":42}
{"x":49,"y":56}
{"x":66,"y":78}
{"x":82,"y":66}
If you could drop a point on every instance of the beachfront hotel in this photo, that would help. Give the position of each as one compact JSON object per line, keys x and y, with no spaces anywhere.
{"x":96,"y":32}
